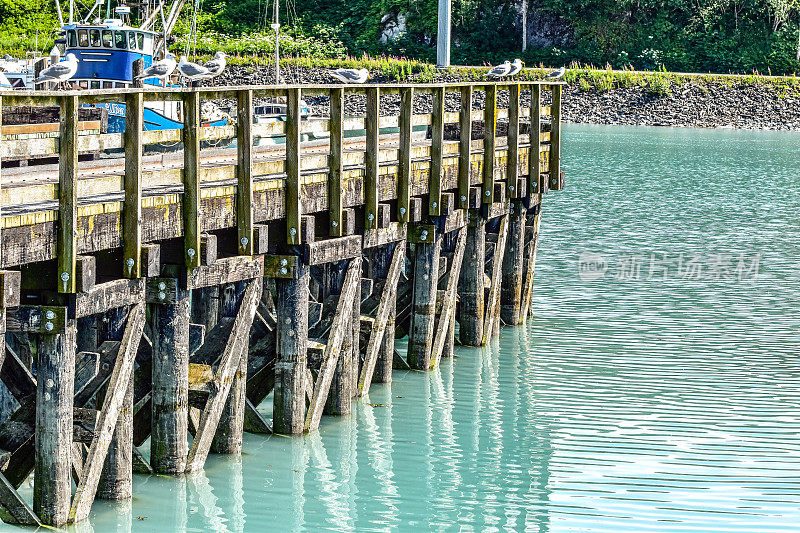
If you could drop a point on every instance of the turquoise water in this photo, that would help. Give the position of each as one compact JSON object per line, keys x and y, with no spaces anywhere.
{"x":656,"y":388}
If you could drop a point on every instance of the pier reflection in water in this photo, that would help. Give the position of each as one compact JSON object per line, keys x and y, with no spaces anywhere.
{"x":628,"y":404}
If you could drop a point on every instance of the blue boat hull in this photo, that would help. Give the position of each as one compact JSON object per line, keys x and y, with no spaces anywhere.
{"x":153,"y":120}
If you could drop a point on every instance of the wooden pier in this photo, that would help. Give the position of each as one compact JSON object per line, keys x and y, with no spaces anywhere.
{"x":158,"y":296}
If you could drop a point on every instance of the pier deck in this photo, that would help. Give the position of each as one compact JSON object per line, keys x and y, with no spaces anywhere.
{"x":154,"y":295}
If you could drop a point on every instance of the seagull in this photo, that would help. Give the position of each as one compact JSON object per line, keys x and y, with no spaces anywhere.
{"x":216,"y":65}
{"x":60,"y":72}
{"x":160,"y":69}
{"x":557,"y":73}
{"x":55,"y":55}
{"x":192,"y":71}
{"x":500,"y":71}
{"x":516,"y":67}
{"x":350,"y":75}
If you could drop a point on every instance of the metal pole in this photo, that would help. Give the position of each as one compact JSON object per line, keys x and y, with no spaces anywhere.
{"x":524,"y":25}
{"x":443,"y":35}
{"x":277,"y":26}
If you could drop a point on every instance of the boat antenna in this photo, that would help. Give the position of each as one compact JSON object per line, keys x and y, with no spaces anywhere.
{"x":277,"y":26}
{"x":60,"y":15}
{"x":71,"y":9}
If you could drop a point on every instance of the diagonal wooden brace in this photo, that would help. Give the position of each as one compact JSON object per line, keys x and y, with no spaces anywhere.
{"x":449,"y":310}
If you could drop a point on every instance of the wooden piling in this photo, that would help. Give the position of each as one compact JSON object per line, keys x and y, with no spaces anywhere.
{"x":423,"y":315}
{"x":54,"y":388}
{"x":228,"y":438}
{"x":289,"y":400}
{"x":382,"y":262}
{"x":513,"y":264}
{"x":116,"y":479}
{"x":406,"y":135}
{"x":471,"y":285}
{"x":341,"y":391}
{"x":132,"y":182}
{"x":170,"y":375}
{"x":191,"y":179}
{"x":67,"y":247}
{"x":555,"y":139}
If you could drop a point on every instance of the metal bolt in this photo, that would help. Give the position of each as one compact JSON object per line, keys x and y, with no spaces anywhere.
{"x":284,"y":262}
{"x":162,"y":295}
{"x":65,"y":277}
{"x":50,"y":315}
{"x":190,"y":252}
{"x":130,"y":262}
{"x":433,"y":205}
{"x":162,"y":286}
{"x":284,"y":271}
{"x":488,"y":193}
{"x":463,"y":198}
{"x":244,"y":241}
{"x":402,"y":210}
{"x":510,"y":187}
{"x":292,"y":231}
{"x":49,"y":326}
{"x":335,"y":224}
{"x":371,"y":217}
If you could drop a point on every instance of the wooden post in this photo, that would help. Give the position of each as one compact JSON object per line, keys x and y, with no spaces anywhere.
{"x":406,"y":135}
{"x":382,"y":261}
{"x":116,"y":480}
{"x":470,"y":287}
{"x":292,"y":190}
{"x":437,"y":142}
{"x":491,"y":325}
{"x":372,"y":157}
{"x":448,"y":306}
{"x":67,"y":245}
{"x":170,"y":393}
{"x":512,"y":154}
{"x":335,"y":163}
{"x":341,"y":391}
{"x":191,"y":178}
{"x":289,"y":405}
{"x":244,"y":171}
{"x":530,"y":266}
{"x":54,"y":388}
{"x":534,"y":155}
{"x":465,"y":147}
{"x":555,"y":139}
{"x":423,"y":314}
{"x":489,"y":132}
{"x":132,"y":210}
{"x":228,"y":438}
{"x":513,"y":264}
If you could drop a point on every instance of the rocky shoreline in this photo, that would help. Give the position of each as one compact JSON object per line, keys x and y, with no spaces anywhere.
{"x":703,"y":104}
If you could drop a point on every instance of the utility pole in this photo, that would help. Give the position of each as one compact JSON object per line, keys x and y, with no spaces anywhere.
{"x":443,"y":35}
{"x":277,"y":26}
{"x":524,"y":25}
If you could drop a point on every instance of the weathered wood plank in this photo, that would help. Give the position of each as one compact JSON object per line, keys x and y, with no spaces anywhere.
{"x":404,"y":172}
{"x":512,"y":157}
{"x":118,"y":386}
{"x":530,"y":272}
{"x":292,"y":193}
{"x":371,"y":157}
{"x":227,"y":270}
{"x":15,"y":505}
{"x":332,"y":250}
{"x":335,"y":162}
{"x":426,"y":279}
{"x":465,"y":147}
{"x":333,"y":346}
{"x":380,"y":323}
{"x":67,"y":246}
{"x":229,"y":364}
{"x":470,"y":288}
{"x":437,"y":141}
{"x":191,"y":179}
{"x":555,"y":140}
{"x":493,"y":302}
{"x":447,"y":315}
{"x":513,"y":264}
{"x":132,"y":183}
{"x":244,"y":171}
{"x":109,"y":295}
{"x":535,"y":152}
{"x":489,"y":133}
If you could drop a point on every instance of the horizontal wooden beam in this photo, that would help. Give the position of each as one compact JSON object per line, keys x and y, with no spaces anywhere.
{"x":110,"y":295}
{"x":332,"y":250}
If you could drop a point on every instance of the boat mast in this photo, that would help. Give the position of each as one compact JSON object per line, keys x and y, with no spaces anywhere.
{"x":276,"y":26}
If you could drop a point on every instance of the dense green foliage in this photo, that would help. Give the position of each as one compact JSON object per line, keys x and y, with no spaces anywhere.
{"x":676,"y":35}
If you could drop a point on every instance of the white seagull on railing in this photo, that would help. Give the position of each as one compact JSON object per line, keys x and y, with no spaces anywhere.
{"x":516,"y":67}
{"x":500,"y":71}
{"x":60,"y":72}
{"x":557,"y":73}
{"x":192,"y":71}
{"x":216,"y":65}
{"x":350,"y":75}
{"x":160,"y":69}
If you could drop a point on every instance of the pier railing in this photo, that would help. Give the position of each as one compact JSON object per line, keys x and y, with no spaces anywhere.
{"x":179,"y":277}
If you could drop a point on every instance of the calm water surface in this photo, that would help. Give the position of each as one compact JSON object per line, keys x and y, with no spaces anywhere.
{"x":656,"y":389}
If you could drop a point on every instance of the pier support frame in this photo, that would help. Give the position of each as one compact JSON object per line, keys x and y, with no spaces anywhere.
{"x":425,"y":285}
{"x":513,"y":264}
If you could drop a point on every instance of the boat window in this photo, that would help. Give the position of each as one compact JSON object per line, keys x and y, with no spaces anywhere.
{"x":119,"y":39}
{"x":108,"y":84}
{"x":83,"y":84}
{"x":72,"y":39}
{"x":94,"y":37}
{"x":107,"y":38}
{"x":95,"y":85}
{"x":132,"y":40}
{"x":140,"y":40}
{"x":83,"y":38}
